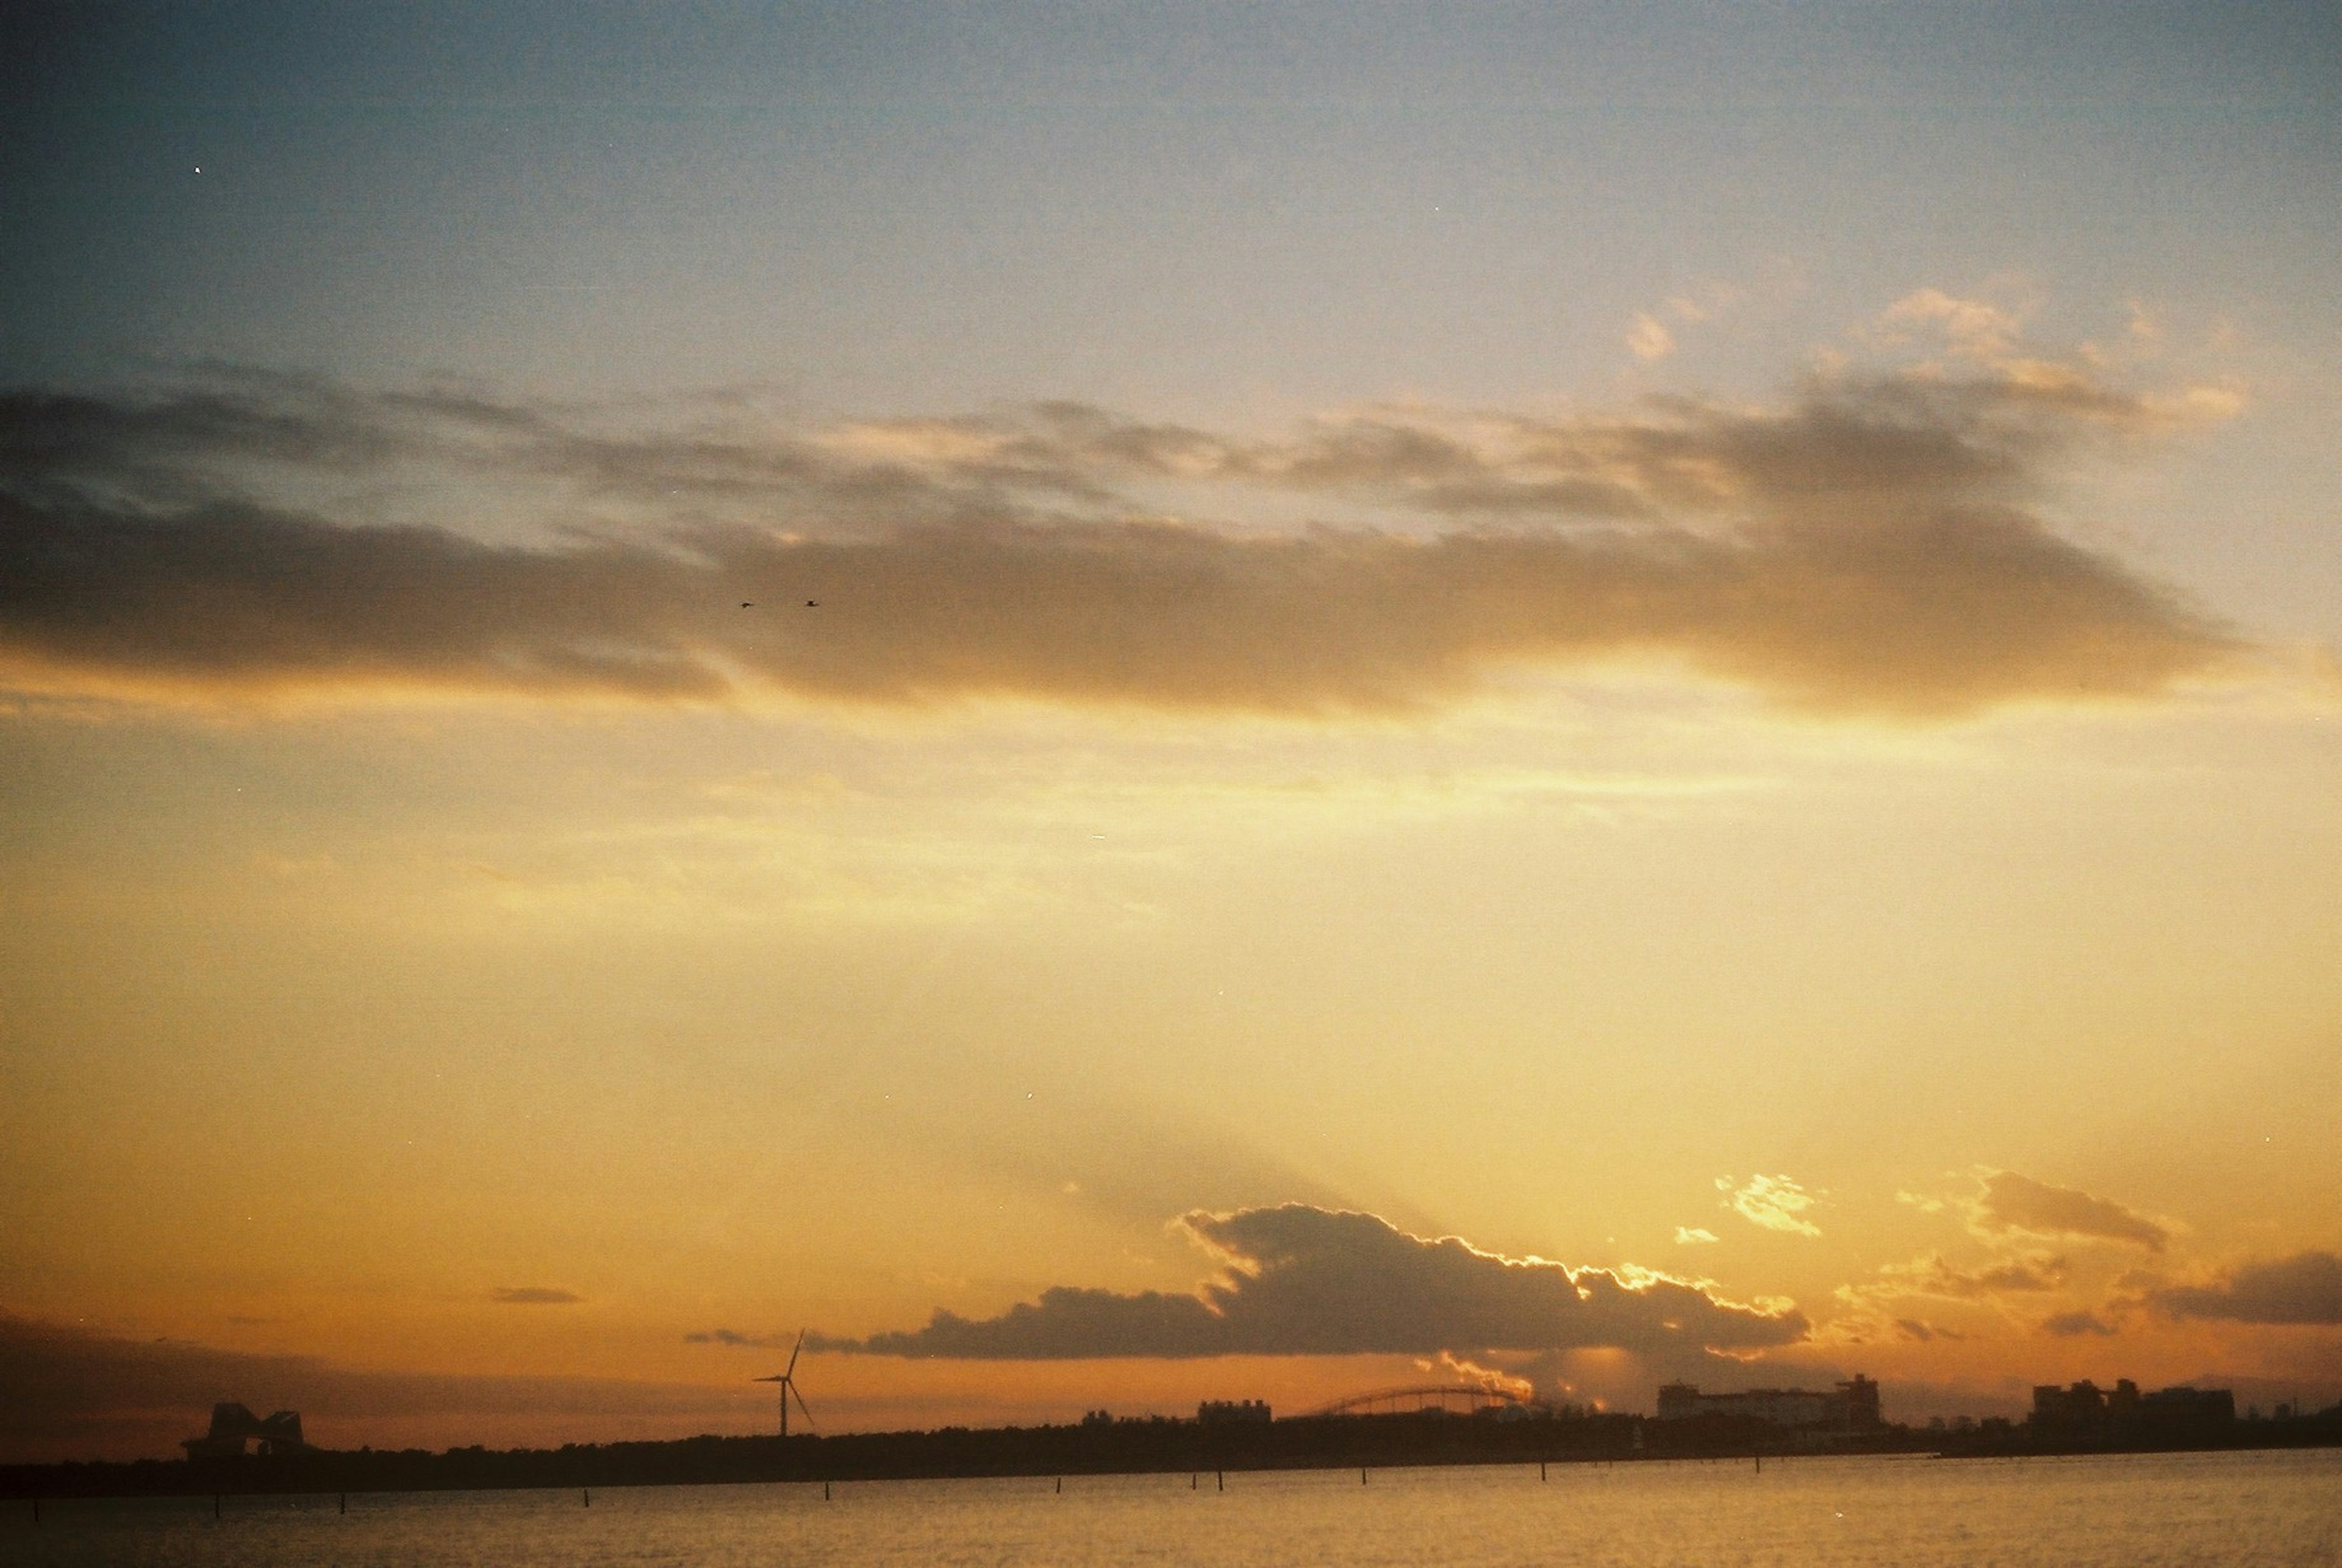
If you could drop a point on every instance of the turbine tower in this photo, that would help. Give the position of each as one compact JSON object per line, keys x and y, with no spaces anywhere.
{"x":787,"y":1378}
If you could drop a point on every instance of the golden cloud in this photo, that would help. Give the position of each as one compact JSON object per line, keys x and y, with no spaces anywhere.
{"x":1870,"y":547}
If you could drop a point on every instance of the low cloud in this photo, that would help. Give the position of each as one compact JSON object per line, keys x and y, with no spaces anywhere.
{"x":2305,"y":1288}
{"x":67,"y":1393}
{"x":2076,"y":1324}
{"x":753,"y":1341}
{"x":535,"y":1296}
{"x":2014,"y":1202}
{"x":1770,"y":1202}
{"x":1303,"y":1281}
{"x":1495,"y":1379}
{"x":1870,"y":546}
{"x":1694,"y":1236}
{"x":1922,"y":1331}
{"x":1931,"y":1275}
{"x":1891,"y":1304}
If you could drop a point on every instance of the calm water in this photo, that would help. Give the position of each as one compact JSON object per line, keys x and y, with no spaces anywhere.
{"x":2283,"y":1509}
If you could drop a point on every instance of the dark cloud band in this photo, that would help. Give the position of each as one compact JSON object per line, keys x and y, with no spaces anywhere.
{"x":68,"y":1392}
{"x":1304,"y":1280}
{"x":1867,"y":550}
{"x":2305,"y":1288}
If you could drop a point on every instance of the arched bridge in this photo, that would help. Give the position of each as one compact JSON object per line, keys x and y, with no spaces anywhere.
{"x":1452,"y":1399}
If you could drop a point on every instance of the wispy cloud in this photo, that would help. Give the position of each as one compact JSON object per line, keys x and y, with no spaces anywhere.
{"x":1651,"y":333}
{"x":535,"y":1296}
{"x":1647,"y":337}
{"x":1884,"y":1305}
{"x":1488,"y":1377}
{"x":1931,"y":1275}
{"x":1871,"y":546}
{"x":1771,"y":1203}
{"x":1923,"y":1331}
{"x":2075,"y":1325}
{"x":752,"y":1340}
{"x":1304,"y":1280}
{"x":1977,"y":329}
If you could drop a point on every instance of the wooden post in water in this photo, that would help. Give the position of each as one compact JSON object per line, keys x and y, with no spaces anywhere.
{"x":1222,"y":1477}
{"x":1361,"y":1475}
{"x":1760,"y":1465}
{"x":1061,"y":1486}
{"x":1540,"y":1470}
{"x":345,"y":1503}
{"x":216,"y":1511}
{"x":1193,"y":1477}
{"x":825,"y":1492}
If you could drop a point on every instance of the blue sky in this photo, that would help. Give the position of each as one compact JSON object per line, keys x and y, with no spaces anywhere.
{"x":883,"y":206}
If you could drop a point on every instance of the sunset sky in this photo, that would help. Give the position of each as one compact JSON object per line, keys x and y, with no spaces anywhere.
{"x":1129,"y":705}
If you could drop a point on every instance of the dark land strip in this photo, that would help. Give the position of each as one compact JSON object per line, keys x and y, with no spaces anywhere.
{"x":1127,"y":1447}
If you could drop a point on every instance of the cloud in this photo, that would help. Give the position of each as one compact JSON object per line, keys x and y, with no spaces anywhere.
{"x":1931,"y":1275}
{"x":68,"y":1392}
{"x":1303,"y":1281}
{"x":1870,"y":547}
{"x":2075,"y":1324}
{"x":1488,"y":1377}
{"x":535,"y":1296}
{"x":2014,"y":1202}
{"x":1879,"y":1307}
{"x":1922,"y":1331}
{"x":1773,"y":1203}
{"x":1650,"y":338}
{"x":755,"y":1341}
{"x":1693,"y":1236}
{"x":1647,"y":338}
{"x":2305,"y":1288}
{"x":1975,"y":328}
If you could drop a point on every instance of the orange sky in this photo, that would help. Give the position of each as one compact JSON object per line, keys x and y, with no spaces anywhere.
{"x":1792,"y":831}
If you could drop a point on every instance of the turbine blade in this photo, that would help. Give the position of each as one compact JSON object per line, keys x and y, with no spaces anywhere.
{"x":792,"y":1355}
{"x":807,"y":1409}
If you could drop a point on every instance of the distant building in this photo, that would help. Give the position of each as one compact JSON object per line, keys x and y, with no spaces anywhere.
{"x":1227,"y":1412}
{"x":233,"y":1426}
{"x":1851,"y":1406}
{"x":2078,"y":1408}
{"x":2083,"y":1412}
{"x":2187,"y":1407}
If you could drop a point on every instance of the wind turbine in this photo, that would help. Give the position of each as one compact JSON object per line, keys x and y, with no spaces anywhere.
{"x":787,"y":1380}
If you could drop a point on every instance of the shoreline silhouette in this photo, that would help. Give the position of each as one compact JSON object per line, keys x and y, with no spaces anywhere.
{"x":1131,"y":1446}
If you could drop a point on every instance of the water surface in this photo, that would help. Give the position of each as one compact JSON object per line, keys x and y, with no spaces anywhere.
{"x":2282,"y":1510}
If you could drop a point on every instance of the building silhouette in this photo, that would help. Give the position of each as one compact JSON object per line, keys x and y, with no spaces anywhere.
{"x":233,"y":1426}
{"x":1224,"y":1411}
{"x":2084,"y":1412}
{"x":1851,"y":1407}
